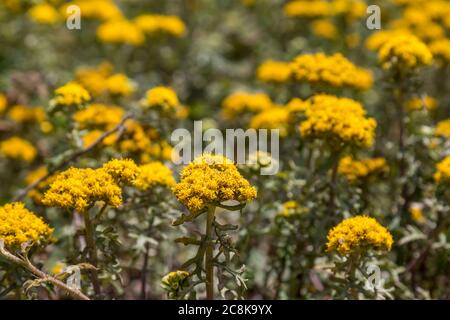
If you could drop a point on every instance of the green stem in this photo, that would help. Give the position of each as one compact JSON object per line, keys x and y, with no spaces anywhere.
{"x":92,"y":250}
{"x":209,"y":266}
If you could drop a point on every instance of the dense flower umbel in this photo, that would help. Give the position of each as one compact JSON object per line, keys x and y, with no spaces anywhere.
{"x":18,"y":149}
{"x":124,"y":171}
{"x":335,"y":71}
{"x":443,"y":129}
{"x":24,"y":114}
{"x":272,"y":118}
{"x":404,"y":51}
{"x":274,"y":71}
{"x":19,"y":225}
{"x":154,"y":174}
{"x":210,"y":180}
{"x":442,"y":174}
{"x":324,"y":28}
{"x":120,"y":85}
{"x":99,"y":116}
{"x":79,"y":189}
{"x":94,"y":79}
{"x":155,"y":24}
{"x":44,"y":13}
{"x":240,"y":102}
{"x":355,"y":170}
{"x":120,"y":31}
{"x":356,"y":234}
{"x":338,"y":120}
{"x":161,"y":97}
{"x":71,"y":94}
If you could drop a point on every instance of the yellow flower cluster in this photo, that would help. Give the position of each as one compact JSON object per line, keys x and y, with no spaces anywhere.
{"x":71,"y":94}
{"x":417,"y":214}
{"x":404,"y":51}
{"x":324,"y":28}
{"x":210,"y":180}
{"x":120,"y":85}
{"x":297,"y":106}
{"x":100,"y":116}
{"x":241,"y":102}
{"x":355,"y":170}
{"x":339,"y":121}
{"x":174,"y":282}
{"x":37,"y":193}
{"x":123,"y":171}
{"x":442,"y":174}
{"x":95,"y":9}
{"x":443,"y":129}
{"x":44,"y":13}
{"x":164,"y":98}
{"x":24,"y":114}
{"x":79,"y":189}
{"x":94,"y":78}
{"x":441,"y":50}
{"x":357,"y":235}
{"x":3,"y":103}
{"x":274,"y":71}
{"x":19,"y":225}
{"x":272,"y":118}
{"x":154,"y":24}
{"x":154,"y":174}
{"x":333,"y":70}
{"x":120,"y":31}
{"x":428,"y":103}
{"x":310,"y":9}
{"x":290,"y":209}
{"x":376,"y":40}
{"x":18,"y":149}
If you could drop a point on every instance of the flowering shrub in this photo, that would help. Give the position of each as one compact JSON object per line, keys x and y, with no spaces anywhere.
{"x":99,"y":202}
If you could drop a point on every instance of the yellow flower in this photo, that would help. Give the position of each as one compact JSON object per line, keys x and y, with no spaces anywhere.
{"x":210,"y":180}
{"x":324,"y":28}
{"x":23,"y":114}
{"x":120,"y":85}
{"x":94,"y":79}
{"x":122,"y":170}
{"x":135,"y":138}
{"x":161,"y":97}
{"x":443,"y":129}
{"x":442,"y":174}
{"x":151,"y":24}
{"x":428,"y":103}
{"x":290,"y":209}
{"x":174,"y":282}
{"x":417,"y":214}
{"x":274,"y":71}
{"x":154,"y":174}
{"x":100,"y":116}
{"x":71,"y":94}
{"x":79,"y":189}
{"x":19,"y":225}
{"x":334,"y":70}
{"x":58,"y":267}
{"x":339,"y":121}
{"x":240,"y":102}
{"x":272,"y":118}
{"x":441,"y":49}
{"x":404,"y":51}
{"x":3,"y":103}
{"x":44,"y":13}
{"x":310,"y":9}
{"x":18,"y":149}
{"x":358,"y":234}
{"x":355,"y":170}
{"x":91,"y":137}
{"x":95,"y":9}
{"x":297,"y":106}
{"x":120,"y":31}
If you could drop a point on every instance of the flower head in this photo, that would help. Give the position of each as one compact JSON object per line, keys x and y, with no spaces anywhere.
{"x":160,"y":24}
{"x":124,"y":171}
{"x":79,"y":189}
{"x":443,"y":129}
{"x":442,"y":174}
{"x":358,"y":233}
{"x":120,"y":31}
{"x":274,"y":71}
{"x":19,"y":225}
{"x":18,"y":149}
{"x":335,"y":71}
{"x":340,"y":121}
{"x":357,"y":170}
{"x":240,"y":102}
{"x":154,"y":174}
{"x":210,"y":180}
{"x":272,"y":118}
{"x":120,"y":85}
{"x":404,"y":51}
{"x":174,"y":282}
{"x":44,"y":13}
{"x":161,"y":97}
{"x":428,"y":103}
{"x":71,"y":94}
